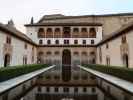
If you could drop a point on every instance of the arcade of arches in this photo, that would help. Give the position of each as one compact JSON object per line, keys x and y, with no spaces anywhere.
{"x":67,"y":32}
{"x":78,"y":55}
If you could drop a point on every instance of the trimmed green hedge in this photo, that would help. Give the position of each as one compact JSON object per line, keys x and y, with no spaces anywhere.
{"x":14,"y":71}
{"x":121,"y":72}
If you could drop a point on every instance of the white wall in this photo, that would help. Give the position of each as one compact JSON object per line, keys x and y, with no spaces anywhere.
{"x":34,"y":36}
{"x":114,"y":51}
{"x":18,"y":50}
{"x":2,"y":41}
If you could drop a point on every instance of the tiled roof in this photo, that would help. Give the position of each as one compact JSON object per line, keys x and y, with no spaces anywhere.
{"x":117,"y":33}
{"x":60,"y":16}
{"x":13,"y":31}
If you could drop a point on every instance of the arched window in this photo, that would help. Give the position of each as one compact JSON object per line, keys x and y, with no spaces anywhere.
{"x":40,"y":42}
{"x":49,"y":30}
{"x":92,"y":33}
{"x":41,"y":33}
{"x":57,"y":30}
{"x":66,"y":32}
{"x":123,"y":40}
{"x":84,"y":33}
{"x":75,"y":30}
{"x":57,"y":33}
{"x":84,"y":30}
{"x":49,"y":33}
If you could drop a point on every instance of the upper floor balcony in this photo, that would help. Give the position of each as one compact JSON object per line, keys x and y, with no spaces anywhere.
{"x":68,"y":32}
{"x":69,"y":35}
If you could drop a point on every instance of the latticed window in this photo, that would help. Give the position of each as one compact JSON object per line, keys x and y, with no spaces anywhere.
{"x":8,"y":40}
{"x":56,"y":89}
{"x":57,"y":42}
{"x":75,"y":89}
{"x":47,"y":89}
{"x":93,"y":90}
{"x":75,"y":41}
{"x":84,"y":41}
{"x":92,"y":33}
{"x":48,"y":42}
{"x":40,"y":42}
{"x":66,"y":89}
{"x":84,"y":89}
{"x":41,"y":33}
{"x":66,"y":41}
{"x":92,"y":41}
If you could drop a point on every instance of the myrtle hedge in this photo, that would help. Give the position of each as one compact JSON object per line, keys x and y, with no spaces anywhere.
{"x":120,"y":72}
{"x":7,"y":73}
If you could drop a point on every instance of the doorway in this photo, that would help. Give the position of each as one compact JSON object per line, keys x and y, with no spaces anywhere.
{"x":6,"y":60}
{"x":125,"y":60}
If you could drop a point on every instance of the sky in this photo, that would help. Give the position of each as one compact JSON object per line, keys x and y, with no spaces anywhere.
{"x":21,"y":11}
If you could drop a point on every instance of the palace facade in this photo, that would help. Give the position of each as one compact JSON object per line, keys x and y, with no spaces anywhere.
{"x":81,"y":37}
{"x":66,"y":42}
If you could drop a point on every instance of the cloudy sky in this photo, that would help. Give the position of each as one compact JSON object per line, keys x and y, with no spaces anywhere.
{"x":22,"y":10}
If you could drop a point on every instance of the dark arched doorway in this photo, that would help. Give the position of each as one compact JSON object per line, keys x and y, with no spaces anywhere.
{"x":66,"y":65}
{"x":125,"y":60}
{"x":6,"y":60}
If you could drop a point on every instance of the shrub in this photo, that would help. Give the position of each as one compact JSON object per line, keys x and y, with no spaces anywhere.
{"x":121,"y":72}
{"x":14,"y":71}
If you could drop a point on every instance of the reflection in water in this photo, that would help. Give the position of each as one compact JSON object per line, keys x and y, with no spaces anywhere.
{"x":66,"y":73}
